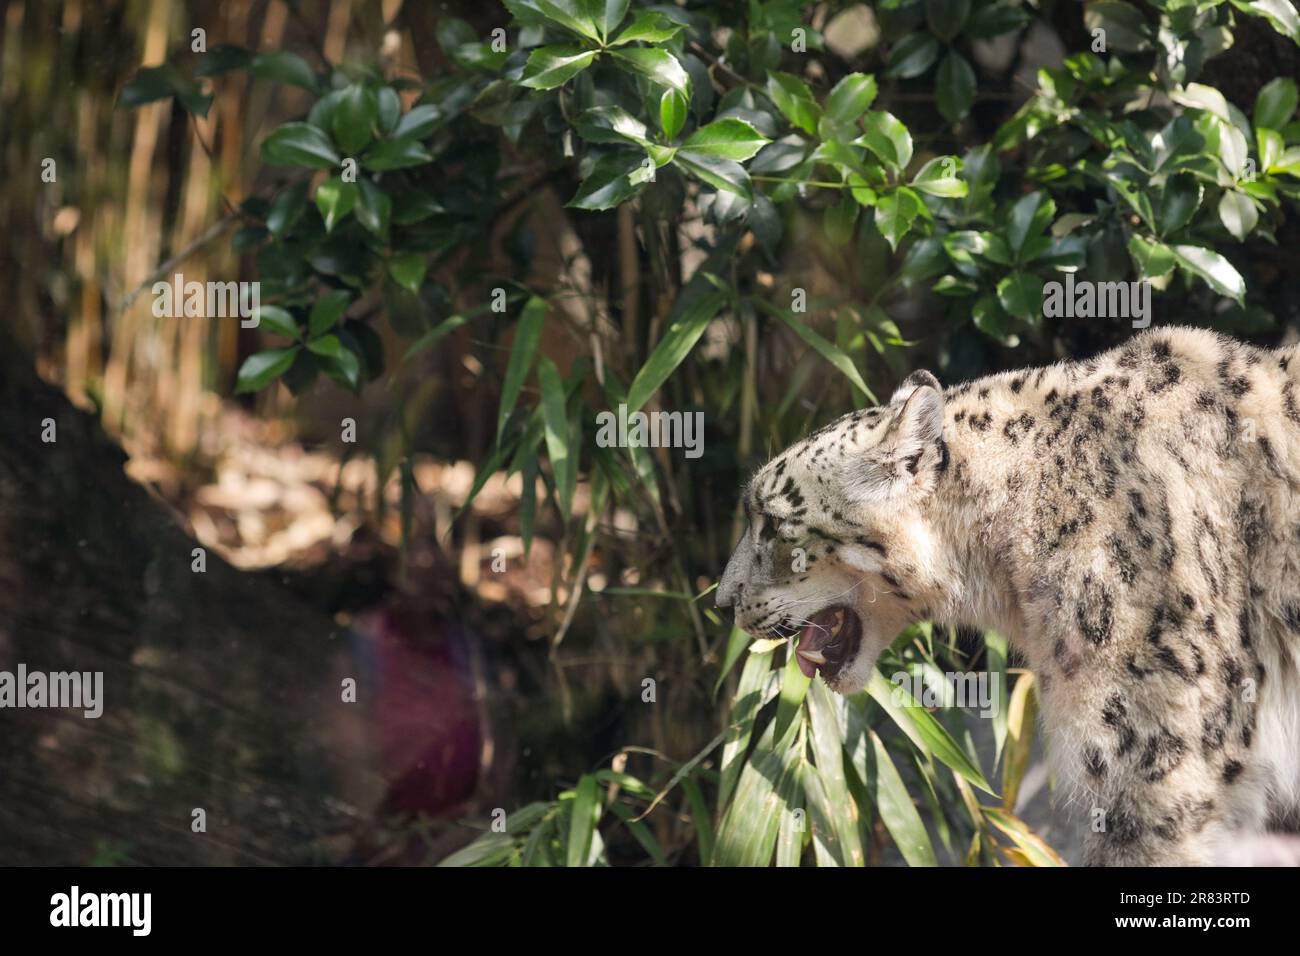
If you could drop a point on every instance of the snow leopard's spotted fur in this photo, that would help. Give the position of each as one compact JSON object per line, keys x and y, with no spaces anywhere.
{"x":1130,"y":522}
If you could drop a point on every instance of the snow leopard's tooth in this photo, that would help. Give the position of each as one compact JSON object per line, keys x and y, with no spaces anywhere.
{"x":817,"y":657}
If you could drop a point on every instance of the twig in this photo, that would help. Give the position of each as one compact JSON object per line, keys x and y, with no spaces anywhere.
{"x":213,"y":231}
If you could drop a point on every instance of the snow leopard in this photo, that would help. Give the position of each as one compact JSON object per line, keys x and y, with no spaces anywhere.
{"x":1129,"y":522}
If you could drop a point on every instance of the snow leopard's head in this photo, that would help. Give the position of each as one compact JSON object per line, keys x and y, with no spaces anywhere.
{"x":839,"y":550}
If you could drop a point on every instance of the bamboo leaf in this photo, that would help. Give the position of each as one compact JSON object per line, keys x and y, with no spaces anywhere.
{"x":922,"y":729}
{"x":524,"y":348}
{"x":691,"y":317}
{"x":1021,"y":715}
{"x":897,"y":811}
{"x":582,"y":821}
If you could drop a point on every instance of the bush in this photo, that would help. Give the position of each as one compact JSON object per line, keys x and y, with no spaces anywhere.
{"x":837,"y":206}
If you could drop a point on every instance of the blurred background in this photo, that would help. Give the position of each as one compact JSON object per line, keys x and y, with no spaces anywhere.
{"x":406,"y":492}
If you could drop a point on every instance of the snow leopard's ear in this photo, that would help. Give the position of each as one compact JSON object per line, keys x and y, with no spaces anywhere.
{"x":917,"y":429}
{"x":912,"y":383}
{"x":911,"y":452}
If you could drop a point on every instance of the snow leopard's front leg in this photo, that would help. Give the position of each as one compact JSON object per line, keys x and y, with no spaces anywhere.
{"x":1150,"y":827}
{"x":1151,"y":798}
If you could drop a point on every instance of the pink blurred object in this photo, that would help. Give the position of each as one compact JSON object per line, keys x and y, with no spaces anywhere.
{"x":1267,"y":849}
{"x":417,"y":683}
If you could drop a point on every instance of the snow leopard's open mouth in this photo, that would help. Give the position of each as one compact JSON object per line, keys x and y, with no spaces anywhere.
{"x":828,"y":641}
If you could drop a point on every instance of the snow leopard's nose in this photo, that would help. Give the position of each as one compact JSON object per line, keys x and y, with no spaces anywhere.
{"x":731,"y":584}
{"x":727,"y":593}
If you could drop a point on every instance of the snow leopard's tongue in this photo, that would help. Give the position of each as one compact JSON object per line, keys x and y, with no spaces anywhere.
{"x":818,"y":641}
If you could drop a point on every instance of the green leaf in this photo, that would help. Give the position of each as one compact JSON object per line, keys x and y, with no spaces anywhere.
{"x":284,"y":67}
{"x":415,"y":206}
{"x":148,"y":85}
{"x":582,"y":823}
{"x":1179,"y":201}
{"x":828,"y":751}
{"x":1217,"y":271}
{"x":1021,"y":294}
{"x":768,"y":785}
{"x":374,"y":208}
{"x":691,"y":316}
{"x":921,"y":727}
{"x":1029,"y":217}
{"x":408,"y":270}
{"x":912,"y":55}
{"x":335,"y":199}
{"x":399,"y":153}
{"x":1271,"y":146}
{"x":272,"y":318}
{"x":299,"y":144}
{"x":641,"y":832}
{"x":490,"y":849}
{"x":998,"y":653}
{"x":1151,"y":258}
{"x":672,"y":113}
{"x":1126,"y":29}
{"x":897,"y":811}
{"x":556,"y":421}
{"x":648,"y":26}
{"x":727,"y":138}
{"x":955,"y":87}
{"x":744,"y":710}
{"x":886,"y":136}
{"x":337,"y":359}
{"x":1288,"y":163}
{"x":608,"y":15}
{"x":862,"y":193}
{"x":610,"y":182}
{"x":549,"y":67}
{"x":611,"y":124}
{"x":946,"y":17}
{"x":327,"y":311}
{"x":794,"y":99}
{"x":824,"y":347}
{"x":354,"y":118}
{"x":702,"y":818}
{"x":839,"y":220}
{"x":659,"y":65}
{"x":418,"y":122}
{"x":576,"y":15}
{"x":850,"y":98}
{"x":224,"y":58}
{"x":1276,"y":102}
{"x":938,"y":177}
{"x":389,"y":107}
{"x":1281,"y":14}
{"x":997,"y":19}
{"x":261,"y":367}
{"x":990,"y":318}
{"x":527,"y":335}
{"x":794,"y":688}
{"x":441,"y":330}
{"x":720,"y":173}
{"x":1021,"y":724}
{"x":1201,"y":97}
{"x":895,"y":212}
{"x":287,"y":208}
